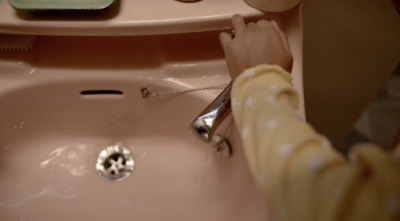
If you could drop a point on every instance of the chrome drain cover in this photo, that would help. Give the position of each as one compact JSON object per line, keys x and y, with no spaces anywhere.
{"x":115,"y":162}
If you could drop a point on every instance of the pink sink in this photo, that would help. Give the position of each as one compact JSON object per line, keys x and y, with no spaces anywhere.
{"x":51,"y":136}
{"x":69,"y":98}
{"x":53,"y":127}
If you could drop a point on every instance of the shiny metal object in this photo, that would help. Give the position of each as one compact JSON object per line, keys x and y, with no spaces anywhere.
{"x":209,"y":119}
{"x":115,"y":162}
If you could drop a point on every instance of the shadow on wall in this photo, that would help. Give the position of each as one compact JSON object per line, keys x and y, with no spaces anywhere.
{"x":380,"y":121}
{"x":350,"y":50}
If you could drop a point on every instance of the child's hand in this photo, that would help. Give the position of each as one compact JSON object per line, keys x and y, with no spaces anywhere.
{"x":257,"y":43}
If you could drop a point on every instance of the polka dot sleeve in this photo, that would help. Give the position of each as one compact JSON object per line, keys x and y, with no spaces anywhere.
{"x":301,"y":176}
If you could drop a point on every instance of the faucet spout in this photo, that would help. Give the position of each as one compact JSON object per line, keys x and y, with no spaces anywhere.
{"x":210,"y":118}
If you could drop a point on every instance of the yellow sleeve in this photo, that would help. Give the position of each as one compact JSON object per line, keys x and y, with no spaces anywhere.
{"x":301,"y":176}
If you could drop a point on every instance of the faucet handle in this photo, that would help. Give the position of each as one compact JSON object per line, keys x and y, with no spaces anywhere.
{"x":210,"y":118}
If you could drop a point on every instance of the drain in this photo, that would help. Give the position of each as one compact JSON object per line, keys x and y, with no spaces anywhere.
{"x":115,"y":162}
{"x":221,"y":146}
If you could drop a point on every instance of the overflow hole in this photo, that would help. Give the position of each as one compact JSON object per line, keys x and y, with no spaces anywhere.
{"x":102,"y":92}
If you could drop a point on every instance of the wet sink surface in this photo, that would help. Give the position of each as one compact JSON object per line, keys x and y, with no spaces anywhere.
{"x":51,"y":136}
{"x":57,"y":114}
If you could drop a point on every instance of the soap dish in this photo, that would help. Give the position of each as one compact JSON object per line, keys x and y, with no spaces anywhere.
{"x":60,"y":4}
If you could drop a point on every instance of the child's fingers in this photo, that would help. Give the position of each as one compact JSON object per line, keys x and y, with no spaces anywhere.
{"x":273,"y":22}
{"x":238,"y":24}
{"x":264,"y":23}
{"x":225,"y":38}
{"x":282,"y":35}
{"x":251,"y":24}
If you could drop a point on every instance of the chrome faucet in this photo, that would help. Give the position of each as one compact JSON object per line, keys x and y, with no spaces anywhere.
{"x":210,"y":118}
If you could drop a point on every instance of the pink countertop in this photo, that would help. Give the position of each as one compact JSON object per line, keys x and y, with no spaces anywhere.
{"x":127,"y":17}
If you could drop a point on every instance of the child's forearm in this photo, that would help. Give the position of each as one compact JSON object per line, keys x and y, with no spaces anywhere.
{"x":301,"y":176}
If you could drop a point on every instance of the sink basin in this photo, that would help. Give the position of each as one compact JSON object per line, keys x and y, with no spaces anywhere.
{"x":51,"y":136}
{"x":61,"y":105}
